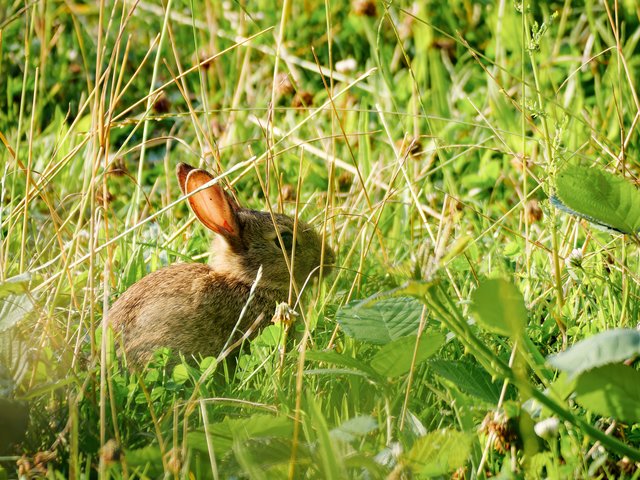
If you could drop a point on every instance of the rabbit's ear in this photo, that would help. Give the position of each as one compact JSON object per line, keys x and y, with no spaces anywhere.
{"x":213,"y":207}
{"x":182,"y":170}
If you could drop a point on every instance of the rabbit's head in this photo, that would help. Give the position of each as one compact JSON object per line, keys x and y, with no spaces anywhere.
{"x":247,"y":239}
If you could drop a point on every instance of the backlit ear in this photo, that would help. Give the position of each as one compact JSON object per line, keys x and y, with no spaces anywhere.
{"x":213,"y":207}
{"x":182,"y":170}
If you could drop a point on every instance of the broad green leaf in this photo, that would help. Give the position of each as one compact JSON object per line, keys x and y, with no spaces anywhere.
{"x":341,"y":360}
{"x":499,"y":307}
{"x":395,"y":358}
{"x":561,"y":388}
{"x":362,"y":462}
{"x":600,"y":197}
{"x":261,"y":425}
{"x":611,"y":346}
{"x":414,"y":426}
{"x":353,"y":428}
{"x":248,"y":464}
{"x":380,"y":321}
{"x":611,"y":390}
{"x":469,"y":377}
{"x":439,"y":452}
{"x":222,"y":434}
{"x":263,"y":458}
{"x":270,"y":336}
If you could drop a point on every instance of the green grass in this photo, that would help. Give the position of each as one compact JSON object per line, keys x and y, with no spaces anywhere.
{"x":431,"y":161}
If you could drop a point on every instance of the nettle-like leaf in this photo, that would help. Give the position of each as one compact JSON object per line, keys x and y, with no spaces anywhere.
{"x":395,"y":358}
{"x":611,"y":390}
{"x":380,"y":321}
{"x":439,"y":452}
{"x":223,"y":434}
{"x":612,"y":346}
{"x":263,"y":458}
{"x":499,"y":307}
{"x":600,"y":197}
{"x":469,"y":377}
{"x":392,"y":360}
{"x":354,"y":428}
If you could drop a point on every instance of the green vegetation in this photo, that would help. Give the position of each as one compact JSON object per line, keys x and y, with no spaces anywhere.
{"x":470,"y":328}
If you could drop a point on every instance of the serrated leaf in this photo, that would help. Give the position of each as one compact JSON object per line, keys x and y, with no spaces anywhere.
{"x":439,"y":452}
{"x":469,"y":378}
{"x":365,"y":463}
{"x":414,"y":425}
{"x":261,"y":457}
{"x":354,"y":427}
{"x":499,"y":307}
{"x":395,"y":358}
{"x":556,"y":202}
{"x":611,"y":390}
{"x":379,"y":322}
{"x":611,"y":346}
{"x":222,"y":434}
{"x":599,"y":197}
{"x":261,"y":425}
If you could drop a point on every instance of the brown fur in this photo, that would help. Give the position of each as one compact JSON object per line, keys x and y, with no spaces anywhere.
{"x":193,"y":308}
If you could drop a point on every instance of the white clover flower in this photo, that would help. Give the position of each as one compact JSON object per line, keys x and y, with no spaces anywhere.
{"x":547,"y":428}
{"x":347,"y":65}
{"x":574,"y":262}
{"x":575,"y":258}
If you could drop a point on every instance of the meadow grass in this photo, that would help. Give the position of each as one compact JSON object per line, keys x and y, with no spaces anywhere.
{"x":422,"y":138}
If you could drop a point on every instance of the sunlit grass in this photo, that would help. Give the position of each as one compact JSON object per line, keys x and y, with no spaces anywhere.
{"x":431,"y":155}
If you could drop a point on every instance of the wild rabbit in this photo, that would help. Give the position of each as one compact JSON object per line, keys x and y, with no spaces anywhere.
{"x":193,"y":308}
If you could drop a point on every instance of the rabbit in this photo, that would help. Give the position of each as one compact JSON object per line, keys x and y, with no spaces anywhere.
{"x":193,"y":308}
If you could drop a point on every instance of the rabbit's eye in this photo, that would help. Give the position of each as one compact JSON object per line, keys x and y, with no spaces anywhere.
{"x":287,"y":240}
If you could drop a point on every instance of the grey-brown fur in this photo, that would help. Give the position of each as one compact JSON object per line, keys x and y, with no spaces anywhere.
{"x":193,"y":308}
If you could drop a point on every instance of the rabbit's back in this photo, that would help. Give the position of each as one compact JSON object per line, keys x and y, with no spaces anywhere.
{"x":189,"y":308}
